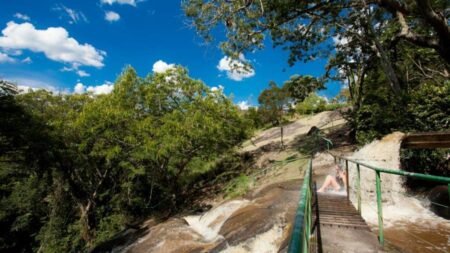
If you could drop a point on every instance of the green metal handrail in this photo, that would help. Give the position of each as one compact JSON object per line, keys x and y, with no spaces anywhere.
{"x":378,"y":172}
{"x":300,"y":238}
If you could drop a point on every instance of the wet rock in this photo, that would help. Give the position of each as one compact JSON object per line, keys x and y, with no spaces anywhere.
{"x":286,"y":237}
{"x":265,"y":213}
{"x":272,"y":206}
{"x":247,"y":222}
{"x":171,"y":236}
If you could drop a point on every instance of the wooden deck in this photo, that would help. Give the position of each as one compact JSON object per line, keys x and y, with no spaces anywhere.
{"x":336,"y":210}
{"x":342,"y":227}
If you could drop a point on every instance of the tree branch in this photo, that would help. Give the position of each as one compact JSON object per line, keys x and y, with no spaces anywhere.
{"x":406,"y":34}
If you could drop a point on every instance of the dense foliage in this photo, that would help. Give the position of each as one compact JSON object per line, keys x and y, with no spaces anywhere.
{"x":392,"y":55}
{"x":296,"y":95}
{"x":76,"y":169}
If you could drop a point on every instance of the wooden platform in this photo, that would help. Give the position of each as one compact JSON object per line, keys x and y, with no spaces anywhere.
{"x":336,"y":210}
{"x":342,"y":227}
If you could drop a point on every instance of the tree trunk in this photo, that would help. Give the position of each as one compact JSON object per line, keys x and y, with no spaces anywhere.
{"x":440,"y":25}
{"x":385,"y":61}
{"x":86,"y":228}
{"x":437,"y":21}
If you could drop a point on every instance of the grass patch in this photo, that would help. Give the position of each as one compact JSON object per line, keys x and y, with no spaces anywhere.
{"x":237,"y":187}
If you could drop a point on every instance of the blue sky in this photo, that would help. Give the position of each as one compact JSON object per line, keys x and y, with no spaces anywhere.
{"x":58,"y":44}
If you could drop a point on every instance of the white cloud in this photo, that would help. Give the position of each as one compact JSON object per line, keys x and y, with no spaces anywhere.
{"x":82,"y":73}
{"x":105,"y":88}
{"x":161,"y":66}
{"x":340,"y":40}
{"x":112,"y":16}
{"x":235,"y":69}
{"x":74,"y":16}
{"x":111,"y":2}
{"x":220,"y":87}
{"x":243,"y":105}
{"x":54,"y":42}
{"x":79,"y":88}
{"x":27,"y":60}
{"x":4,"y":58}
{"x":22,"y":16}
{"x":79,"y":72}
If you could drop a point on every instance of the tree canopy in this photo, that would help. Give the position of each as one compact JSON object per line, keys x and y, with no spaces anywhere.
{"x":77,"y":168}
{"x":303,"y":26}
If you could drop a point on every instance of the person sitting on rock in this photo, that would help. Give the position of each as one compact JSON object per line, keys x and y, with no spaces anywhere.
{"x":337,"y":182}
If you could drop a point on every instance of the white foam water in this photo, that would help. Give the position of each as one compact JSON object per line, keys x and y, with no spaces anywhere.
{"x":208,"y":225}
{"x":267,"y":242}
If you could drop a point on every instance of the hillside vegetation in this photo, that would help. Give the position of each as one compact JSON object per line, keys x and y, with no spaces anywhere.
{"x":75,"y":169}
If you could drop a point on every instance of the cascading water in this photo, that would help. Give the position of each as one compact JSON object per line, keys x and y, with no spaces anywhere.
{"x":208,"y":225}
{"x":267,"y":242}
{"x":401,"y":211}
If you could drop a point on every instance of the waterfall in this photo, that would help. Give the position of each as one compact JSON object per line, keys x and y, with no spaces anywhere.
{"x":208,"y":225}
{"x":267,"y":242}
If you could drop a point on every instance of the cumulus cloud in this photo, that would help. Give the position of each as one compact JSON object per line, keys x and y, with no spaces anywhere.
{"x":22,"y":16}
{"x":111,"y":2}
{"x":220,"y":87}
{"x":112,"y":16}
{"x":82,"y":73}
{"x":101,"y":89}
{"x":243,"y":105}
{"x":54,"y":42}
{"x":105,"y":88}
{"x":4,"y":58}
{"x":79,"y":88}
{"x":340,"y":40}
{"x":73,"y":16}
{"x":235,"y":69}
{"x":161,"y":66}
{"x":27,"y":60}
{"x":79,"y":72}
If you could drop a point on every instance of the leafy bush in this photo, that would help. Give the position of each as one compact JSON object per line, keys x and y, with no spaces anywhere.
{"x":78,"y":166}
{"x":315,"y":104}
{"x":237,"y":187}
{"x":109,"y":226}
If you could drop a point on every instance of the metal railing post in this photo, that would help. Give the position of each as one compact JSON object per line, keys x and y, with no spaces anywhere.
{"x":319,"y":233}
{"x":359,"y":187}
{"x":448,"y":192}
{"x":380,"y":208}
{"x":346,"y":179}
{"x":378,"y":171}
{"x":308,"y":222}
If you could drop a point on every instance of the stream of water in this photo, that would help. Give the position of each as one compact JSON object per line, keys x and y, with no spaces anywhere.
{"x":209,"y":224}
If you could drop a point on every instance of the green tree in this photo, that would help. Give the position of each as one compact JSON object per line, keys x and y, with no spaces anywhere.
{"x":311,"y":104}
{"x":299,"y":87}
{"x":254,"y":115}
{"x":76,"y":169}
{"x":303,"y":26}
{"x":27,"y":151}
{"x":274,"y":102}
